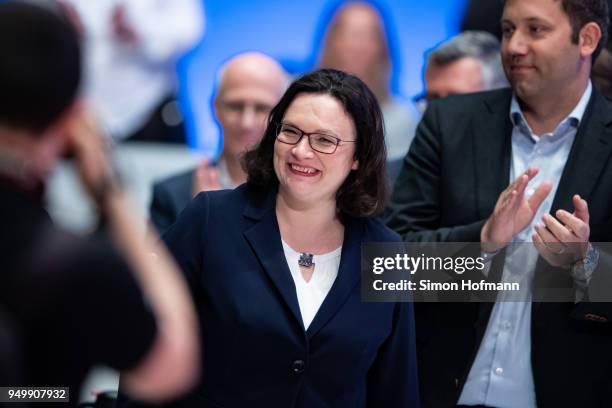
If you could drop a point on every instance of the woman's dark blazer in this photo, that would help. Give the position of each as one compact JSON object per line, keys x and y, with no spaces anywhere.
{"x":256,"y":352}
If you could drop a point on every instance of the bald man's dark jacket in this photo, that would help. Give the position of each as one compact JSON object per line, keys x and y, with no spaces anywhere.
{"x":457,"y":166}
{"x":170,"y":197}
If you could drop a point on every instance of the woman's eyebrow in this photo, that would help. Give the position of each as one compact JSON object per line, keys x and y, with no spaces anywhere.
{"x":325,"y":131}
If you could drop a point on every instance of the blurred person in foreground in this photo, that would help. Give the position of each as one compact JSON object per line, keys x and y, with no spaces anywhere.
{"x":357,"y":41}
{"x":468,"y":62}
{"x":77,"y":302}
{"x":11,"y":355}
{"x":250,"y":84}
{"x":529,"y":166}
{"x":274,"y":265}
{"x":130,"y":50}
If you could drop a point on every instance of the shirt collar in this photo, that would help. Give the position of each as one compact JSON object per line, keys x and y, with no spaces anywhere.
{"x":575,"y":117}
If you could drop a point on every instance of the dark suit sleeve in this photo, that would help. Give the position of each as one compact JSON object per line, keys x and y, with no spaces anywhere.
{"x":162,"y":212}
{"x":392,"y":381}
{"x":415,"y":208}
{"x":597,"y":304}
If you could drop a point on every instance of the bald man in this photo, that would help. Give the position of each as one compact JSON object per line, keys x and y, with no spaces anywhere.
{"x":250,"y":84}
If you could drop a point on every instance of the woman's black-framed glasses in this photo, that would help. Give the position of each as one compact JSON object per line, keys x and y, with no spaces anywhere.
{"x":319,"y":142}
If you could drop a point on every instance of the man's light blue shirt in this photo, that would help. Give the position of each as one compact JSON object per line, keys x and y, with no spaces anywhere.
{"x":501,"y":374}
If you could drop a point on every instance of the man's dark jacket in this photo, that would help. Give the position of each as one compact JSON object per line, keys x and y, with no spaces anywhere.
{"x":170,"y":197}
{"x":458,"y":165}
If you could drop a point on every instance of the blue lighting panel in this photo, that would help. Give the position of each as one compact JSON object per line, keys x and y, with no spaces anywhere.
{"x":290,"y":31}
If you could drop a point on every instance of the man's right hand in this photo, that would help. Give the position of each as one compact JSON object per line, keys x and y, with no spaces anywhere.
{"x":513,"y":212}
{"x":206,"y":178}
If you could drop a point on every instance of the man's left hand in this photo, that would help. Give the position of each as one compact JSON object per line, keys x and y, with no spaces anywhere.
{"x":564,"y":240}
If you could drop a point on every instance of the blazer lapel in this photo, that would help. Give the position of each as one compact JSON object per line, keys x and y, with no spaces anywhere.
{"x":588,"y":156}
{"x":491,"y":141}
{"x":347,"y":279}
{"x":264,"y":238}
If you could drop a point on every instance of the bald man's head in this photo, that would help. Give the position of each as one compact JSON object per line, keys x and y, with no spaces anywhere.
{"x":250,"y":85}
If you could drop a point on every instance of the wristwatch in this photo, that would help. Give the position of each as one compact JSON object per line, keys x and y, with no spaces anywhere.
{"x":583,"y":268}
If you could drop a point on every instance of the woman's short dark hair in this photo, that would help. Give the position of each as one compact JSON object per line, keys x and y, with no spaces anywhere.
{"x":364,"y":192}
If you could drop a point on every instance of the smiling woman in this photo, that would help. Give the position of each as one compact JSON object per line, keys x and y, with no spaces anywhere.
{"x":275,"y":264}
{"x":303,"y":172}
{"x":338,"y":105}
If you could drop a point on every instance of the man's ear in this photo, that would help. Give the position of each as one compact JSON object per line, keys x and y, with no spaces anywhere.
{"x":355,"y":165}
{"x":588,"y":38}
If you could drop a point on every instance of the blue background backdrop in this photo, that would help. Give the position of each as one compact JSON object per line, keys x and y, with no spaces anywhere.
{"x":291,"y":31}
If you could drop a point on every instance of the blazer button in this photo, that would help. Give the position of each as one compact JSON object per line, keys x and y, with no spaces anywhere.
{"x":298,"y":366}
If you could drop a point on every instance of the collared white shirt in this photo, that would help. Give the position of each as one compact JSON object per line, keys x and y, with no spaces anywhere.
{"x":501,"y":375}
{"x":312,"y":294}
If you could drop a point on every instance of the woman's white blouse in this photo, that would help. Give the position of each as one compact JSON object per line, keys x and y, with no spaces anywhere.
{"x":311,"y":294}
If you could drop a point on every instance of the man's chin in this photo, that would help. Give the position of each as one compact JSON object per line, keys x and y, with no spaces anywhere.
{"x":524,"y":90}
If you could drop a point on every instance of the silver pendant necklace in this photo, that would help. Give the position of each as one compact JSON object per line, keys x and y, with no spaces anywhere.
{"x":306,"y":260}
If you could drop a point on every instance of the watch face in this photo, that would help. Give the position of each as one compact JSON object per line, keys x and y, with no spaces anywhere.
{"x":586,"y":266}
{"x":589,"y":263}
{"x":592,"y":255}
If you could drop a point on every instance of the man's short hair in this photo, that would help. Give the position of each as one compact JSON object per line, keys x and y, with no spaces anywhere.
{"x":39,"y":66}
{"x":480,"y":45}
{"x":582,"y":12}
